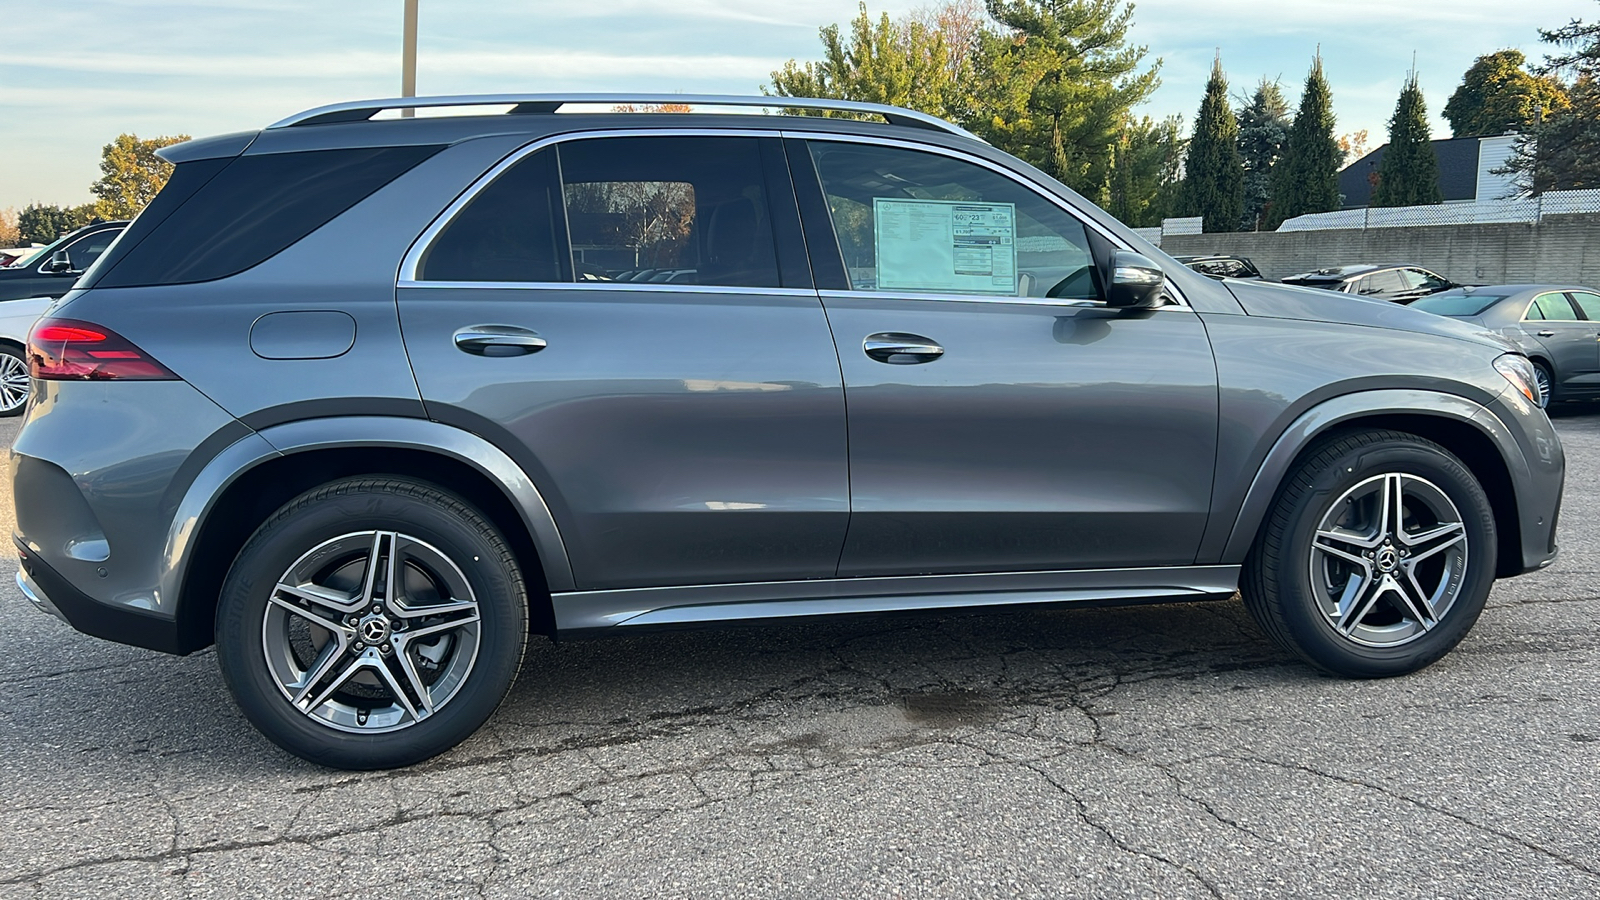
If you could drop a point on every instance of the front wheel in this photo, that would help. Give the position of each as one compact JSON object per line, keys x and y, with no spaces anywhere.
{"x":1541,"y":374}
{"x":1377,"y":557}
{"x":14,"y":382}
{"x":372,"y":623}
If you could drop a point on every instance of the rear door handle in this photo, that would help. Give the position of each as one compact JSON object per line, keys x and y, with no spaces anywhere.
{"x":900,"y":349}
{"x":499,"y":340}
{"x":1545,"y":333}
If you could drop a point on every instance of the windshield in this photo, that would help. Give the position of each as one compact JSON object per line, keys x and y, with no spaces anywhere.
{"x":1457,"y":303}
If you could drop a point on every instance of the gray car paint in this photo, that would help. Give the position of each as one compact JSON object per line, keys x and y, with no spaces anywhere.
{"x":1279,"y":370}
{"x":1571,"y":349}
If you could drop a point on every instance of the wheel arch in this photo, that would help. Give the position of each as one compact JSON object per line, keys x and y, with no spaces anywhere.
{"x":1459,"y":425}
{"x":245,"y":483}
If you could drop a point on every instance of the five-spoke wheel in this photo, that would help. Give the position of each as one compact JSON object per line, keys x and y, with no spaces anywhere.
{"x":372,"y":623}
{"x":1377,"y":557}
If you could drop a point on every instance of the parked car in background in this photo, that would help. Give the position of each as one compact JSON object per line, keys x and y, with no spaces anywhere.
{"x":1395,"y":283}
{"x":51,"y":270}
{"x":16,"y":318}
{"x":1556,"y":326}
{"x":1220,"y":266}
{"x":370,"y":441}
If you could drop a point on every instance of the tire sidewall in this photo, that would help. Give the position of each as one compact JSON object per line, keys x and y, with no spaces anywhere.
{"x":1309,"y":627}
{"x":308,"y":521}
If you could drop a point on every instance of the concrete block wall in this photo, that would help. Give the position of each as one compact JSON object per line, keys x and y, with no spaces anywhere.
{"x":1561,"y":249}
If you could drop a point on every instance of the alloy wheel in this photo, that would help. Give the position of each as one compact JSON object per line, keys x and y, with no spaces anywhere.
{"x":1389,"y":560}
{"x":14,"y":384}
{"x":372,"y":631}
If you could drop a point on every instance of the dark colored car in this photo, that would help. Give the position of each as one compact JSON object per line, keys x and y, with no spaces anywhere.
{"x":1222,"y":266}
{"x":1556,"y":326}
{"x":413,"y":413}
{"x":51,"y":271}
{"x":1397,"y":284}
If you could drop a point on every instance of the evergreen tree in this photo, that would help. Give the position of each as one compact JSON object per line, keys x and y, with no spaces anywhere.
{"x":40,"y":224}
{"x":1409,"y":173}
{"x":1563,"y":151}
{"x":1056,"y":85}
{"x":1213,"y":187}
{"x":1263,"y":131}
{"x":1146,"y":164}
{"x":1306,"y":179}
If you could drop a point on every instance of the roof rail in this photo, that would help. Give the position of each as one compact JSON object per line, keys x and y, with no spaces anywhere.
{"x":361,"y":110}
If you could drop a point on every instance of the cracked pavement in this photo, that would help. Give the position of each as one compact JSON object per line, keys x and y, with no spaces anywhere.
{"x":1145,"y":751}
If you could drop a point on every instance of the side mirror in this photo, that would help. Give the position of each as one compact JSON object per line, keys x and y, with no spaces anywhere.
{"x":60,"y":263}
{"x":1136,"y":281}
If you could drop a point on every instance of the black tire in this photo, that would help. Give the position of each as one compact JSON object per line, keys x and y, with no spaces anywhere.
{"x":449,"y":555}
{"x":1547,"y":384}
{"x":15,"y":386}
{"x":1290,"y":587}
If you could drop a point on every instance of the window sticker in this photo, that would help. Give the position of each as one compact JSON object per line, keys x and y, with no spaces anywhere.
{"x":944,"y":246}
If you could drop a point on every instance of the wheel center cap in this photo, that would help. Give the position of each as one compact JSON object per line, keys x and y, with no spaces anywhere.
{"x":1387,"y":559}
{"x":374,"y":629}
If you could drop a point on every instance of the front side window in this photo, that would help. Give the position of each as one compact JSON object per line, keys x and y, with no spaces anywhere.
{"x":642,"y":210}
{"x":918,"y":222}
{"x":1552,"y":307}
{"x":85,"y":250}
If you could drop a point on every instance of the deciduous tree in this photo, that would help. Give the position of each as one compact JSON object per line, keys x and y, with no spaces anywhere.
{"x":1498,"y":94}
{"x":131,"y":175}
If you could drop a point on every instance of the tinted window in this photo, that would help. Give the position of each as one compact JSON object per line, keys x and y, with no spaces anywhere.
{"x":1381,"y":284}
{"x":1420,"y":278}
{"x":1553,"y":307}
{"x":925,"y":223}
{"x":509,"y":232}
{"x":1589,"y":303}
{"x":85,"y":250}
{"x":692,"y":209}
{"x":253,"y":209}
{"x":1451,"y":303}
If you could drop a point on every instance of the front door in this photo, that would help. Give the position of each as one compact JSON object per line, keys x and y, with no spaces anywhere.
{"x":1569,"y":340}
{"x":1001,"y":417}
{"x":611,"y":312}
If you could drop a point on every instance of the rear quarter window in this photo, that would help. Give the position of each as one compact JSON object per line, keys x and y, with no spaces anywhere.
{"x":251,"y":210}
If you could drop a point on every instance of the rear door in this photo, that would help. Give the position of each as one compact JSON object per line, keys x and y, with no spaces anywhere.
{"x":1568,"y":340}
{"x":1588,"y":303}
{"x":1001,"y":417}
{"x":684,"y":430}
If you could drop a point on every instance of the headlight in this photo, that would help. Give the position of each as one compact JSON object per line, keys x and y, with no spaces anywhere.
{"x":1518,"y":370}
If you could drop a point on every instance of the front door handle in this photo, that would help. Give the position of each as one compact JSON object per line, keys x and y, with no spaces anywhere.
{"x":900,"y":349}
{"x":499,"y":340}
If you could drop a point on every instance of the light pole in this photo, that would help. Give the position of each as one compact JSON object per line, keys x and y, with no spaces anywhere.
{"x":408,"y":57}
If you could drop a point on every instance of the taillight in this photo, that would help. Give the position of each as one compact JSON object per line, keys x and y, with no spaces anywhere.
{"x":70,"y":350}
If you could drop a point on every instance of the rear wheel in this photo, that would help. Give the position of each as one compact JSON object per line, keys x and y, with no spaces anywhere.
{"x":372,"y":623}
{"x":1377,"y":557}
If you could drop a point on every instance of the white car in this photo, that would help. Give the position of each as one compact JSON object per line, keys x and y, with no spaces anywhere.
{"x":16,"y":320}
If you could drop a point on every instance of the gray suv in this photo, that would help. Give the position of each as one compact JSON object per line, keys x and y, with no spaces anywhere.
{"x":368,"y":401}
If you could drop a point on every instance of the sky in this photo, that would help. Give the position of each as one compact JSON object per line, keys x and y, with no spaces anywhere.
{"x":75,"y":75}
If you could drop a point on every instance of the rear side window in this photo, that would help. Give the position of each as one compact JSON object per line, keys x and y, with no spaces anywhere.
{"x":510,"y":231}
{"x":255,"y":208}
{"x":1590,"y":304}
{"x":1381,"y":284}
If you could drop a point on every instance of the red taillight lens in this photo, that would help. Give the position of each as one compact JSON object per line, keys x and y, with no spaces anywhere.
{"x":69,"y":350}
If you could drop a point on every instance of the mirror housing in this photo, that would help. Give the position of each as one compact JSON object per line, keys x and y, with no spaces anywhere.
{"x":60,"y":263}
{"x":1136,"y":282}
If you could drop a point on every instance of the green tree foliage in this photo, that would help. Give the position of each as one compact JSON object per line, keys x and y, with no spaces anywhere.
{"x":40,"y":224}
{"x":1562,"y":152}
{"x":1056,"y":84}
{"x":1213,"y":186}
{"x":1146,"y":165}
{"x":1306,"y":179}
{"x":130,"y":175}
{"x":1263,"y":131}
{"x":907,"y":63}
{"x":1497,"y":94}
{"x":1409,"y":173}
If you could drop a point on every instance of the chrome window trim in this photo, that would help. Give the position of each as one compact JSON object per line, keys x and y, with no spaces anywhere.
{"x":613,"y":287}
{"x":407,"y":276}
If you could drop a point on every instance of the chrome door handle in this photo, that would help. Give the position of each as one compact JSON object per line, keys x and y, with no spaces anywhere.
{"x":899,"y":349}
{"x":498,"y":340}
{"x":1545,"y":333}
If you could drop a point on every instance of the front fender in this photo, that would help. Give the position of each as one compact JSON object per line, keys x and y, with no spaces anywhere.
{"x":1319,"y":419}
{"x":354,"y":432}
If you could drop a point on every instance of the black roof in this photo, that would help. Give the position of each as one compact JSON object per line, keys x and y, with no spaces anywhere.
{"x":1458,"y":172}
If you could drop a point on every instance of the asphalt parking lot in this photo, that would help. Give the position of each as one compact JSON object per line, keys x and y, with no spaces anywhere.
{"x":1154,"y":751}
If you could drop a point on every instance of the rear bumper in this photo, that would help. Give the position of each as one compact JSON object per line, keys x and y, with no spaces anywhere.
{"x":51,"y":593}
